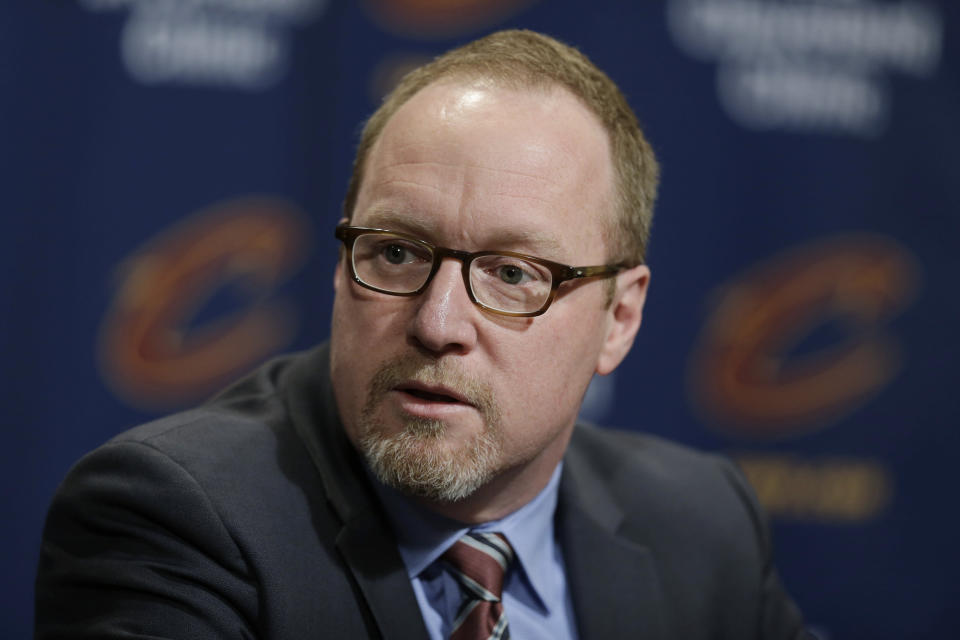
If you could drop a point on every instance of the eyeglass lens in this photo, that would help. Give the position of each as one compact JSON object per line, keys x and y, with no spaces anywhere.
{"x":501,"y":282}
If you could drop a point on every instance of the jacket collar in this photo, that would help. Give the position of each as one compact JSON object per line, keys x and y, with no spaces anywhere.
{"x":611,"y":573}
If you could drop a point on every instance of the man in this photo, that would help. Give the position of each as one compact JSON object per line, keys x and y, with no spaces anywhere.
{"x":423,"y":476}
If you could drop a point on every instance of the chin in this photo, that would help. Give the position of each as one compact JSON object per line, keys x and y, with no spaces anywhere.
{"x":422,"y":460}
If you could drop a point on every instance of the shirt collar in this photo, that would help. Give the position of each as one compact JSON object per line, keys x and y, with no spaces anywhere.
{"x":423,"y":536}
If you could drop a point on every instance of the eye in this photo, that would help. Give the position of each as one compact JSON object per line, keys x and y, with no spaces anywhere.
{"x":497,"y":275}
{"x":395,"y":251}
{"x":396,"y":254}
{"x":511,"y":274}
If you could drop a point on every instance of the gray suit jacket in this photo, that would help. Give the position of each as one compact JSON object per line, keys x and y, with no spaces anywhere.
{"x":251,"y":517}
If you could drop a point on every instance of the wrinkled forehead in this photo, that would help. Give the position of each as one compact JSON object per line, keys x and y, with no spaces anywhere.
{"x":540,"y":145}
{"x":476,"y":158}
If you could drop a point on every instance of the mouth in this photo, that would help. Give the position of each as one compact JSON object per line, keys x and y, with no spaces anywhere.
{"x":431,"y":393}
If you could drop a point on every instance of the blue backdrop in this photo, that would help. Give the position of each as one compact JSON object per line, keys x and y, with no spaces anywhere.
{"x":172,"y":172}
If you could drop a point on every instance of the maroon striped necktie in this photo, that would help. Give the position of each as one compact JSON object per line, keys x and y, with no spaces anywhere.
{"x":479,"y":562}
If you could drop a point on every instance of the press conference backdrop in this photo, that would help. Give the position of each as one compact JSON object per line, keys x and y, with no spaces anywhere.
{"x":172,"y":172}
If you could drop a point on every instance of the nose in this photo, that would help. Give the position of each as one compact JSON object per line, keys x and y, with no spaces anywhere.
{"x":445,"y":318}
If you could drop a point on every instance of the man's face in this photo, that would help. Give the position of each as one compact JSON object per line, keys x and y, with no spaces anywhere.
{"x":441,"y":396}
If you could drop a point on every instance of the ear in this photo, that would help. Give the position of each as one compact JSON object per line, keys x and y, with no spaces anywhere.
{"x":624,"y":317}
{"x":337,"y":272}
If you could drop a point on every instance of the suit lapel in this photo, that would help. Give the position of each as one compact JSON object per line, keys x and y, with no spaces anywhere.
{"x":376,"y":565}
{"x":612,"y":578}
{"x":365,"y":539}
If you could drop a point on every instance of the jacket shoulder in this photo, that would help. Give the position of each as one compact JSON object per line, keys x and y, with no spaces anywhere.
{"x":219,"y":512}
{"x":670,"y":497}
{"x":699,"y":519}
{"x":621,"y":457}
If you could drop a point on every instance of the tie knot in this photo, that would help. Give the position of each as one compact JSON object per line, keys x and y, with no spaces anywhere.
{"x":479,"y":561}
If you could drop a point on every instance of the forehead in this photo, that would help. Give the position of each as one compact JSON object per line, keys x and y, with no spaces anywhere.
{"x":483,"y":163}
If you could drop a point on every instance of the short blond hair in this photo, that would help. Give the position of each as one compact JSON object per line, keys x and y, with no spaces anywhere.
{"x":520,"y":59}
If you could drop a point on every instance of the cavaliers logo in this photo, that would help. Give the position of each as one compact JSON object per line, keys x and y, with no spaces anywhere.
{"x":801,"y":340}
{"x":158,"y":348}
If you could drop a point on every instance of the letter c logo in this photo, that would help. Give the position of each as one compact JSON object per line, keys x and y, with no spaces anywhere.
{"x":750,"y":371}
{"x":156,"y":349}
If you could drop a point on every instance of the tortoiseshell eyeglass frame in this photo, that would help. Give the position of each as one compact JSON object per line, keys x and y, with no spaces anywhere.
{"x":560,"y":273}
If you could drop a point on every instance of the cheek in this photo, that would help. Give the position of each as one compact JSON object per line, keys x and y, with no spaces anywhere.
{"x":550,"y":372}
{"x":365,"y":318}
{"x":356,"y":333}
{"x":364,"y":333}
{"x":541,"y":385}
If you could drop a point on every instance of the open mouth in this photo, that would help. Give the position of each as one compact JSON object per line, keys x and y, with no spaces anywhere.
{"x":430,"y":395}
{"x":426,"y":395}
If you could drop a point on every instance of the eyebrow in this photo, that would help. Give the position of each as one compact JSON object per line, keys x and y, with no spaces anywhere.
{"x":524,"y":240}
{"x":520,"y":240}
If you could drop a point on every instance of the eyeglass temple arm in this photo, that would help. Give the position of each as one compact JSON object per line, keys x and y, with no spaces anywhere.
{"x":593,"y":272}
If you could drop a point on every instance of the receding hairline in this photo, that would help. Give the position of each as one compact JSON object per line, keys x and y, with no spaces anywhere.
{"x":527,"y":60}
{"x":538,"y":86}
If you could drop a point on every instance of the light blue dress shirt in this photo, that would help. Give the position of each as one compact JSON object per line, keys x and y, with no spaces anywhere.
{"x":535,"y":595}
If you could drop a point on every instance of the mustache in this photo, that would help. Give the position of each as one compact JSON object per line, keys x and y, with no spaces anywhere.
{"x":430,"y":371}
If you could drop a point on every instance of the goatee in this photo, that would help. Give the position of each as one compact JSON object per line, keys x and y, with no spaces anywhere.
{"x":420,"y":460}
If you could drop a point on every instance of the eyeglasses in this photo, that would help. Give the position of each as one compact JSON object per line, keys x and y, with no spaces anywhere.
{"x":504,"y":282}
